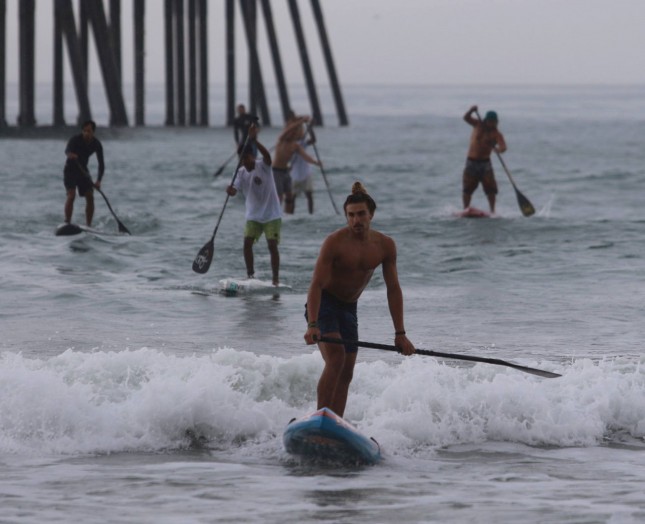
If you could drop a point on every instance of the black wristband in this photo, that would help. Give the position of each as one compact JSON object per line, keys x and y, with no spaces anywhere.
{"x":397,"y":333}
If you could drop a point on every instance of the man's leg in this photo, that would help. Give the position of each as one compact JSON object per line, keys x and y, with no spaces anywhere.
{"x":491,"y":202}
{"x":69,"y":204}
{"x":275,"y":260}
{"x":89,"y":207}
{"x":310,"y":201}
{"x":490,"y":188}
{"x":333,"y":385}
{"x":469,"y":184}
{"x":248,"y":256}
{"x":289,"y":203}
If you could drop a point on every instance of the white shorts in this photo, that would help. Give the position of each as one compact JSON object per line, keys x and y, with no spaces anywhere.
{"x":306,"y":185}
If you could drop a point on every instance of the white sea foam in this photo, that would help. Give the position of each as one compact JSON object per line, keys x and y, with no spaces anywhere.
{"x":146,"y":400}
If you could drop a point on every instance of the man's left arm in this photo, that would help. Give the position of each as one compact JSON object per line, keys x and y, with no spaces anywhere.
{"x":306,"y":156}
{"x":266,"y":156}
{"x":501,"y":143}
{"x":395,"y":299}
{"x":99,"y":158}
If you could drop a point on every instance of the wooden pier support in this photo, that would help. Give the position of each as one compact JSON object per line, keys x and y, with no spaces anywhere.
{"x":202,"y":21}
{"x":178,"y":16}
{"x":139,"y":9}
{"x":329,"y":62}
{"x":186,"y":59}
{"x":306,"y":66}
{"x":3,"y":70}
{"x":27,"y":39}
{"x":64,"y":14}
{"x":256,"y":88}
{"x":277,"y":62}
{"x":230,"y":62}
{"x":108,"y":62}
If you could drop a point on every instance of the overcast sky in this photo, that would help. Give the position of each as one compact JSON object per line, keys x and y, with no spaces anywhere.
{"x":411,"y":41}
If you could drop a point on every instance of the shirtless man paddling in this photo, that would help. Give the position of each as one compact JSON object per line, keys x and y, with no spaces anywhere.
{"x":484,"y":138}
{"x":286,"y":146}
{"x":345,"y":265}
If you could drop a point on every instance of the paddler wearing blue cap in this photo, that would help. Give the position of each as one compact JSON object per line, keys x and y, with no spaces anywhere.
{"x":483,"y":140}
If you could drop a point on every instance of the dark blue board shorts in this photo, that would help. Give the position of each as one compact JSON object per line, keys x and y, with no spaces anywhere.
{"x":336,"y":316}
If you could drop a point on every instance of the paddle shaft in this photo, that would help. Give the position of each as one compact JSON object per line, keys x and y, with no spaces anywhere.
{"x":122,"y":228}
{"x":239,"y":164}
{"x":495,"y":361}
{"x":202,"y":261}
{"x":221,"y":168}
{"x":322,"y":170}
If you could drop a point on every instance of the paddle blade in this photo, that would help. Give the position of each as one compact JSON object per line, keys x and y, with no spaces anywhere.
{"x":204,"y":258}
{"x":525,"y":206}
{"x":122,"y":228}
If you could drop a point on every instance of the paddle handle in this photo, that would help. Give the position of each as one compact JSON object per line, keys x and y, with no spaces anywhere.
{"x":221,"y":168}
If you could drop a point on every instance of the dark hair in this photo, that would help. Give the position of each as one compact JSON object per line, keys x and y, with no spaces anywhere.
{"x":91,"y":123}
{"x":359,"y":194}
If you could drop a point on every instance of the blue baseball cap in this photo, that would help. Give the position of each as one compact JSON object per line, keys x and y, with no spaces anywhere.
{"x":491,"y":115}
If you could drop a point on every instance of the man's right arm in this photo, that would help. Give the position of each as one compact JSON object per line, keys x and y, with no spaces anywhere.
{"x":291,"y":126}
{"x":321,"y":276}
{"x":468,"y":117}
{"x":69,"y":153}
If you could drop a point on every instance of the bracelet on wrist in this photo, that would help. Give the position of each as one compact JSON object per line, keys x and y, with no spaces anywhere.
{"x":397,"y":333}
{"x":312,"y":324}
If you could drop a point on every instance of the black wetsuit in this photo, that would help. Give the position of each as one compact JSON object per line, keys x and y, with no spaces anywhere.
{"x":74,"y":175}
{"x":241,"y":126}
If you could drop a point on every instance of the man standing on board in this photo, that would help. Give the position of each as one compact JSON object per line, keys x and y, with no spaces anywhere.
{"x":286,"y":146}
{"x":484,"y":138}
{"x":263,"y":213}
{"x":346,"y":262}
{"x":301,"y":175}
{"x":241,"y":124}
{"x":76,"y":173}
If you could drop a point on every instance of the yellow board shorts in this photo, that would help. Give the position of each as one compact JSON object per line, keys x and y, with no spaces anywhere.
{"x":271,"y":229}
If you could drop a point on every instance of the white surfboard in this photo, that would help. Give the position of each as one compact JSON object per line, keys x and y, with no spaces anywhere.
{"x":235,"y":286}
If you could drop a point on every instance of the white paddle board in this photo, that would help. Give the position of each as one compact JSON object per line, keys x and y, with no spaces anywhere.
{"x":235,"y":286}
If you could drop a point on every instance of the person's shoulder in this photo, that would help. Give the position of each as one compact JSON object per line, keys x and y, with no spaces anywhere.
{"x":261,"y":164}
{"x":385,"y":240}
{"x":336,"y":236}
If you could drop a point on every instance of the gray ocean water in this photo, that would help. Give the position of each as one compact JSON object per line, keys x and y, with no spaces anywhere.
{"x":112,"y":348}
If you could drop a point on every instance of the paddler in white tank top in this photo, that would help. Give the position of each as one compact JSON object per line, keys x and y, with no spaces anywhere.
{"x":263,"y":210}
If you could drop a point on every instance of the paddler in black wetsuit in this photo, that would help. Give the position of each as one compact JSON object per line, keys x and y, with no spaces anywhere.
{"x":241,"y":124}
{"x":78,"y":151}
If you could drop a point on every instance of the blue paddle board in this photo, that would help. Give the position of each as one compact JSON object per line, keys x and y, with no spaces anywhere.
{"x":324,"y":435}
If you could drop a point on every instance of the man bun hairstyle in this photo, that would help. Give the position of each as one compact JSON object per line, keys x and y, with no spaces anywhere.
{"x":359,"y":194}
